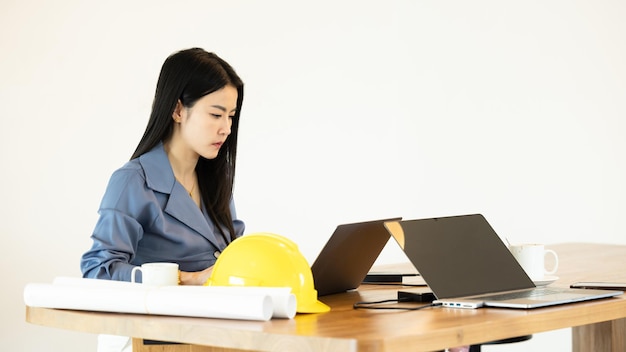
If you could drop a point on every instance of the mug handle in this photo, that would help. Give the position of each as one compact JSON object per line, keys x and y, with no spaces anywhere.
{"x":556,"y":261}
{"x":133,"y":272}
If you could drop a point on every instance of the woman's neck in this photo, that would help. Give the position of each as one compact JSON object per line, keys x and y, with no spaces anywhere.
{"x":183,"y":162}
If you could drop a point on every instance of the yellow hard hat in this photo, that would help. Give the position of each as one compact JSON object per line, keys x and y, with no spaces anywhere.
{"x":268,"y":260}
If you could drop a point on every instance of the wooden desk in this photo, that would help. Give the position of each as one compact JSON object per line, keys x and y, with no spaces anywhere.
{"x":597,"y":326}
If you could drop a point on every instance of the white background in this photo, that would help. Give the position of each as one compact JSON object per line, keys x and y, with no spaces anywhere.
{"x":353,"y":111}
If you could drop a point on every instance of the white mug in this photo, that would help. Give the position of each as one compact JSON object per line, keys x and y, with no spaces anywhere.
{"x":157,"y":274}
{"x":531,"y":257}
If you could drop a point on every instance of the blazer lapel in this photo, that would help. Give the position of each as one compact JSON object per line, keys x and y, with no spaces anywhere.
{"x":160,"y":177}
{"x":185,"y":210}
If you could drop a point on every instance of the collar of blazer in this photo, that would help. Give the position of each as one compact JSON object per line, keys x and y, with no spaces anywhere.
{"x":160,"y":178}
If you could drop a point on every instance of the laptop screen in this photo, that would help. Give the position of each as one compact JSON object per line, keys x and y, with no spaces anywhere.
{"x":459,"y":256}
{"x":348,"y":255}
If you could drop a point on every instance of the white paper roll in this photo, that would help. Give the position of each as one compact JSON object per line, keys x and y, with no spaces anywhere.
{"x":209,"y":304}
{"x":225,"y":302}
{"x":283,"y":301}
{"x":124,"y":297}
{"x":123,"y":300}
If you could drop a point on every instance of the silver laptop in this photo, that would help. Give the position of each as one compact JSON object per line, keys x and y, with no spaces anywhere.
{"x":348,"y":255}
{"x":466,"y":265}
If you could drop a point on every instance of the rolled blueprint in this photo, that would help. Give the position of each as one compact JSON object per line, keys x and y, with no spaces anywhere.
{"x":283,"y":301}
{"x":246,"y":303}
{"x":122,"y":300}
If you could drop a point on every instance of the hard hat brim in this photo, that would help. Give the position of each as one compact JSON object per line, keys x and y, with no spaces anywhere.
{"x":315,"y":307}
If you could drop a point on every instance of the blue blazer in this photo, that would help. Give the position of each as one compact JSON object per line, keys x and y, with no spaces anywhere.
{"x":147,"y":216}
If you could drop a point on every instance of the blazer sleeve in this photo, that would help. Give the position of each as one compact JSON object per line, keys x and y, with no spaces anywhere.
{"x":123,"y":211}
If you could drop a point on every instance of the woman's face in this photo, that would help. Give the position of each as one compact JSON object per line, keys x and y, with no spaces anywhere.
{"x":205,"y":126}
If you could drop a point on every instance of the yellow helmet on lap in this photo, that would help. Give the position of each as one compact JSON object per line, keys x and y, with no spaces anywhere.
{"x":268,"y":260}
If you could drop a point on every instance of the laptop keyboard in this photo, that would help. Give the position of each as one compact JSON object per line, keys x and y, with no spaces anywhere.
{"x":520,"y":294}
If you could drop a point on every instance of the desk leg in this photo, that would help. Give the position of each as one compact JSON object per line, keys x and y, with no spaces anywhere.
{"x":139,"y":346}
{"x":608,"y":336}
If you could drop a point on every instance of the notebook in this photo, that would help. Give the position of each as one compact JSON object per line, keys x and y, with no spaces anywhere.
{"x":348,"y":255}
{"x":466,"y":265}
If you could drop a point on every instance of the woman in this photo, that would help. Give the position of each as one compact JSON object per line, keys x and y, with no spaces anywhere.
{"x":172,"y":202}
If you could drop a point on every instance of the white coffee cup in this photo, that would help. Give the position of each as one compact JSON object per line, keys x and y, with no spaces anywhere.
{"x":531,"y":257}
{"x":157,"y":274}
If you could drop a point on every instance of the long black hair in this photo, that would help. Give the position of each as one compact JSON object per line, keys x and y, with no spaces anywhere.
{"x":188,"y":75}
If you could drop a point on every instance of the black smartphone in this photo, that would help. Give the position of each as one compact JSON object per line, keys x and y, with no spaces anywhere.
{"x":377,"y":277}
{"x":600,"y":285}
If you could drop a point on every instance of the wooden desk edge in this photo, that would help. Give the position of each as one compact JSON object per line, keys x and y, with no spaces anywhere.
{"x":225,"y":338}
{"x":585,"y":318}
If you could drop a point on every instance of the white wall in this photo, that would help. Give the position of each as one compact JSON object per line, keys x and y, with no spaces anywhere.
{"x":354,"y":110}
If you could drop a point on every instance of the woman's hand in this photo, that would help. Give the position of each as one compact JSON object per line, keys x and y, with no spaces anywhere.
{"x":195,"y":278}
